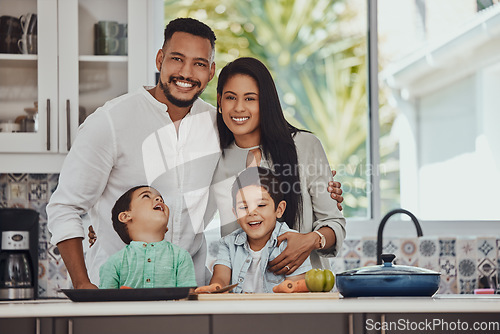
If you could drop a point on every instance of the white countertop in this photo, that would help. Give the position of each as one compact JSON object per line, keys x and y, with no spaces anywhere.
{"x":438,"y":304}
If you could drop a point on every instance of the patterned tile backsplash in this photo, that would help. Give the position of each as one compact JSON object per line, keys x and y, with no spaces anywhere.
{"x":465,"y":263}
{"x":33,"y":191}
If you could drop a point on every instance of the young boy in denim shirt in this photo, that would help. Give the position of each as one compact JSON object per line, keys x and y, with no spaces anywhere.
{"x":148,"y":261}
{"x":244,"y":254}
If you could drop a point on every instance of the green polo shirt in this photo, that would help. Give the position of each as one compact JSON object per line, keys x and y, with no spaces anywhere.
{"x":148,"y":265}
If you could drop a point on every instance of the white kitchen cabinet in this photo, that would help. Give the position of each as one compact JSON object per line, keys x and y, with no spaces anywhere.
{"x":26,"y":78}
{"x":65,"y":77}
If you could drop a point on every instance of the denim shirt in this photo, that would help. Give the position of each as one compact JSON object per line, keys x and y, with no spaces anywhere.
{"x":234,"y":253}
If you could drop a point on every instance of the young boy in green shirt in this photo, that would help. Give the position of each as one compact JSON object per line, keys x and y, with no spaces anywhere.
{"x":140,"y":218}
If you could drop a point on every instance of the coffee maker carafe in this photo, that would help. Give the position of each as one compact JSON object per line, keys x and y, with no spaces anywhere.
{"x":18,"y":254}
{"x":16,"y":275}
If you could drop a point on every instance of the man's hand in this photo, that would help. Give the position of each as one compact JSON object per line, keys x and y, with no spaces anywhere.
{"x":299,"y":247}
{"x":87,"y":285}
{"x":72,"y":254}
{"x":335,"y":191}
{"x":93,"y":236}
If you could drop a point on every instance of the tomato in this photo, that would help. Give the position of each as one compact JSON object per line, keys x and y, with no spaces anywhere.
{"x":318,"y":280}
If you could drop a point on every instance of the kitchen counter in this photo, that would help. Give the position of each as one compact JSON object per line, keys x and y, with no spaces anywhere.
{"x":348,"y":315}
{"x":438,"y":304}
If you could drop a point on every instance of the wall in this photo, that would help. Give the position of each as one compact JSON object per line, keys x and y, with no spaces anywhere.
{"x":447,"y":150}
{"x":445,"y":92}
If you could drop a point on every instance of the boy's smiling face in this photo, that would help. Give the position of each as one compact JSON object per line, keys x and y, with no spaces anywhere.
{"x":256,"y":214}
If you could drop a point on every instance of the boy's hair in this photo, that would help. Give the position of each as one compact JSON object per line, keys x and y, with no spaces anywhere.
{"x":262,"y":177}
{"x":123,"y":204}
{"x":191,"y":26}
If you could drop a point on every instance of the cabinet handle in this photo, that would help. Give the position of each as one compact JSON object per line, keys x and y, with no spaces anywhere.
{"x":48,"y":124}
{"x":68,"y":128}
{"x":70,"y":326}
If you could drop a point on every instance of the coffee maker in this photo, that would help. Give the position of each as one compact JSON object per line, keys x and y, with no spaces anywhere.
{"x":18,"y":254}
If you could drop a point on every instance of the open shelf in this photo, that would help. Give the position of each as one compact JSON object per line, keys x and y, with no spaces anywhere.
{"x":20,"y":57}
{"x":103,"y":59}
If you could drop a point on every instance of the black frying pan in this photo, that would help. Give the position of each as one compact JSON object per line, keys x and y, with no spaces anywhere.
{"x":108,"y":295}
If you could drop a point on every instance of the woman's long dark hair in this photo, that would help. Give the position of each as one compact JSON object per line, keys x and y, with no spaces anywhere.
{"x":276,"y":133}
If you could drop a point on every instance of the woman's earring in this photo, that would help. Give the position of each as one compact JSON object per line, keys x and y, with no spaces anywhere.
{"x":220,"y":111}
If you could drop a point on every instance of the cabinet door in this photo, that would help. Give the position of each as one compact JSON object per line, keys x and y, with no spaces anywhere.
{"x":93,"y":65}
{"x":68,"y":72}
{"x":28,"y":81}
{"x":70,"y":76}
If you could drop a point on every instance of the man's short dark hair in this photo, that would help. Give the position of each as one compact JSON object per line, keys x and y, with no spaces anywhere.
{"x":191,"y":26}
{"x":262,"y":177}
{"x":123,"y":204}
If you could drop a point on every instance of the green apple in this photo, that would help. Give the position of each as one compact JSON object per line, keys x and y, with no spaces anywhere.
{"x":320,"y":280}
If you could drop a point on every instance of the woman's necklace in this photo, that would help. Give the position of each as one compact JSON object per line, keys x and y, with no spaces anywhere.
{"x":253,"y":147}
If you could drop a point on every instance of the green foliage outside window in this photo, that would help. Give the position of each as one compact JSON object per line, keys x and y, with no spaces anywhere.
{"x":319,"y":63}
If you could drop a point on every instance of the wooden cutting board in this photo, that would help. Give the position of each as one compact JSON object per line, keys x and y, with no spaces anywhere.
{"x":265,"y":296}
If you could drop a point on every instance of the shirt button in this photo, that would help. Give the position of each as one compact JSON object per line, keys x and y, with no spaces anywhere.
{"x":152,"y":245}
{"x":149,"y":260}
{"x":148,"y":280}
{"x":144,"y":245}
{"x":247,"y":261}
{"x":240,"y":279}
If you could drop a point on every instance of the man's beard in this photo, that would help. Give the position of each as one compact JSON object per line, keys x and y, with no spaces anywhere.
{"x":175,"y":101}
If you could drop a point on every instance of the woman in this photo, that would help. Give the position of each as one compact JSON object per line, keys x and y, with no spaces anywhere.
{"x":253,"y":131}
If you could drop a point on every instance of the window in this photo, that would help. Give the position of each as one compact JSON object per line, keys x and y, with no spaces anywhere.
{"x":317,"y":52}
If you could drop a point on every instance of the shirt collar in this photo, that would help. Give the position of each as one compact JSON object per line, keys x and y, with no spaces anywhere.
{"x":241,"y":237}
{"x":144,"y":91}
{"x":196,"y":108}
{"x":142,"y":244}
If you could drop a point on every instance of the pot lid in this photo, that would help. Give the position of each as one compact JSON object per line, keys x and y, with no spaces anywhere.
{"x":388,"y":268}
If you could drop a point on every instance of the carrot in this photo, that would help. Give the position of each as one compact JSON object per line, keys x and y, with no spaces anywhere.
{"x":125,"y":287}
{"x":287,"y":286}
{"x":300,"y":286}
{"x":208,"y":288}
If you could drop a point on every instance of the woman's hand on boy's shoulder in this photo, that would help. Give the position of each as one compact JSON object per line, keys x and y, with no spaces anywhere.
{"x":334,"y":188}
{"x":92,"y":236}
{"x":299,"y":247}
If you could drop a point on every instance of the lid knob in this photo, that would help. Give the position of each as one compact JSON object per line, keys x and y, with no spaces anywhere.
{"x":387,"y":259}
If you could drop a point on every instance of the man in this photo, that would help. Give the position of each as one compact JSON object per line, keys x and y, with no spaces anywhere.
{"x":164,"y":136}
